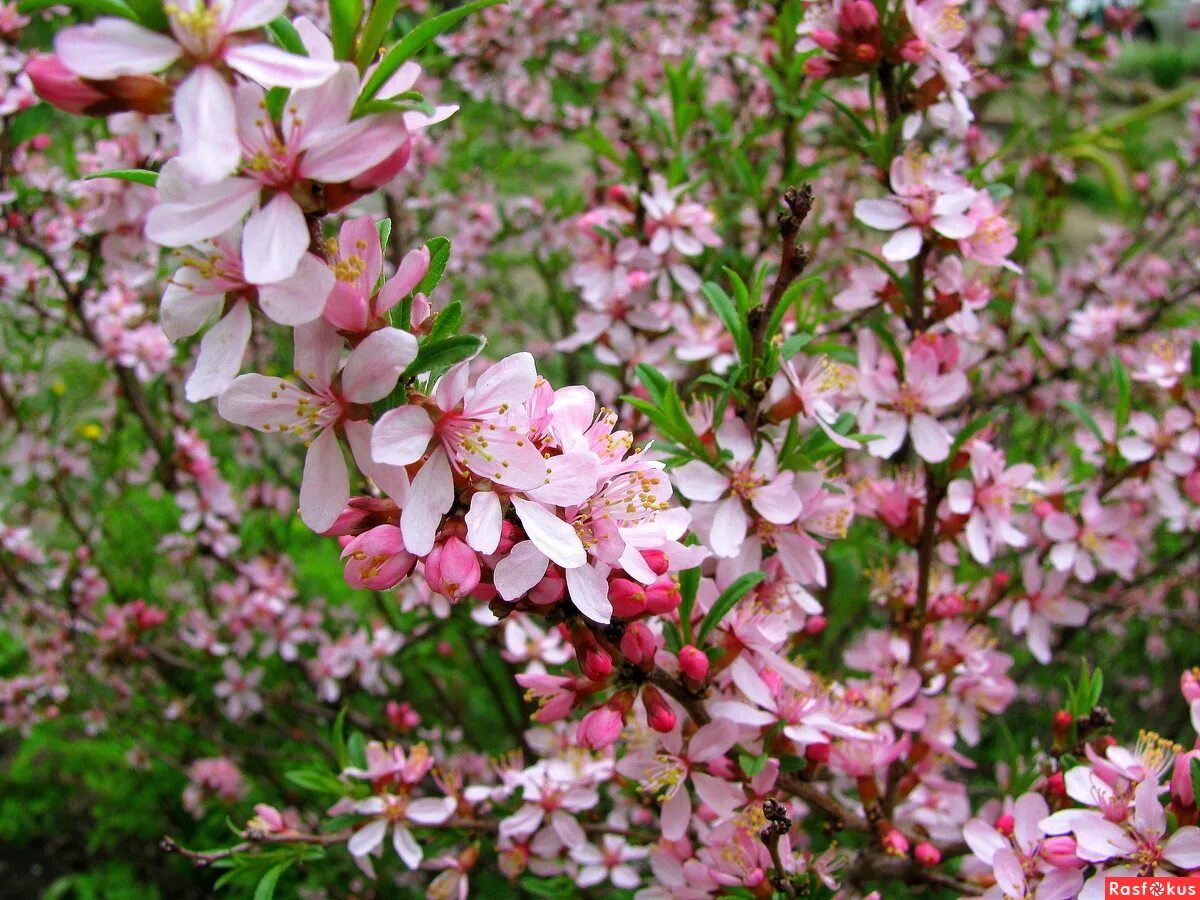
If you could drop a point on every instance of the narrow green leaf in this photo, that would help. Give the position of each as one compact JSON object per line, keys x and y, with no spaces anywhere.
{"x":976,"y":426}
{"x":266,"y":887}
{"x":434,"y":356}
{"x":689,"y":584}
{"x":345,"y":16}
{"x":141,"y":176}
{"x":286,"y":36}
{"x":1124,"y":393}
{"x":728,"y":599}
{"x":339,"y":739}
{"x":439,"y":255}
{"x":1086,"y":418}
{"x":412,"y":43}
{"x":384,"y":227}
{"x":446,"y":323}
{"x":379,"y":19}
{"x":727,"y":312}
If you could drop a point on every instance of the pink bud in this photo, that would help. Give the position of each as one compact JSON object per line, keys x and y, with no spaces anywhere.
{"x":550,"y":589}
{"x":814,"y":625}
{"x":818,"y":67}
{"x":895,"y":843}
{"x":657,"y":561}
{"x":628,"y":598}
{"x":927,"y":854}
{"x":1183,"y":792}
{"x":638,"y":644}
{"x":825,"y":39}
{"x":1005,"y":824}
{"x":600,"y":728}
{"x":659,"y":714}
{"x":595,"y":664}
{"x":59,"y":86}
{"x":377,"y":559}
{"x":662,"y":597}
{"x":452,"y":568}
{"x":693,"y":662}
{"x":1059,"y":851}
{"x":1191,"y":486}
{"x":818,"y":753}
{"x":858,"y":15}
{"x":1189,"y":683}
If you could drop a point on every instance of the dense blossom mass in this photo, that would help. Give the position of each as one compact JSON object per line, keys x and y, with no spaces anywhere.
{"x":731,"y":450}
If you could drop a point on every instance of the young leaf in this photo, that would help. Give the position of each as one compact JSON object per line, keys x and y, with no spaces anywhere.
{"x":689,"y":584}
{"x":734,"y":323}
{"x":384,"y":226}
{"x":286,"y":36}
{"x":439,"y":255}
{"x":266,"y":887}
{"x":433,"y":356}
{"x":344,"y":18}
{"x":411,"y":44}
{"x":1124,"y":393}
{"x":141,"y":176}
{"x":728,"y":599}
{"x":379,"y":19}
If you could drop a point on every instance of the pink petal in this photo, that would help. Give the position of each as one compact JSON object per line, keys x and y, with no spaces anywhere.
{"x":1183,"y":848}
{"x":484,"y":520}
{"x":903,"y":245}
{"x":352,"y":149}
{"x":697,"y":480}
{"x":729,"y":527}
{"x":274,"y":241}
{"x":676,"y":814}
{"x":406,"y":846}
{"x":392,"y":480}
{"x":375,"y":365}
{"x":712,"y":740}
{"x":246,"y":15}
{"x":930,"y":438}
{"x":326,"y":484}
{"x":401,"y":436}
{"x":429,"y":498}
{"x":886,"y":215}
{"x":430,"y":810}
{"x":221,"y":353}
{"x":571,"y":479}
{"x":554,"y":537}
{"x":318,"y":351}
{"x":208,"y":132}
{"x":518,"y":572}
{"x":300,"y":298}
{"x":587,"y":586}
{"x":262,"y":402}
{"x":111,"y":47}
{"x":1009,"y":875}
{"x":509,"y":382}
{"x":213,"y":210}
{"x":273,"y":67}
{"x":367,"y":838}
{"x":184,"y":309}
{"x":891,"y":428}
{"x":777,"y":502}
{"x":954,"y":227}
{"x":409,"y":274}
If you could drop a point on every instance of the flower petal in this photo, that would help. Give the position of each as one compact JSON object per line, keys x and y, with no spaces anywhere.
{"x":274,"y":241}
{"x":221,"y":353}
{"x":554,"y":537}
{"x":326,"y":484}
{"x":375,"y":365}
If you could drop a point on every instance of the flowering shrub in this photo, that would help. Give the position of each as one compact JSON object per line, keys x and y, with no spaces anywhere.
{"x":731,"y":450}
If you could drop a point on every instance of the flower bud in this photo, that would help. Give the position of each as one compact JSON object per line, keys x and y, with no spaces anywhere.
{"x":402,"y":716}
{"x":1183,"y":791}
{"x":1059,"y":851}
{"x":628,"y":598}
{"x":452,"y":568}
{"x":927,"y":854}
{"x":825,"y":39}
{"x":550,"y":589}
{"x":657,"y":561}
{"x":662,"y":597}
{"x":600,"y":728}
{"x":1005,"y":824}
{"x":638,"y":645}
{"x":1191,"y":485}
{"x":377,"y":559}
{"x":659,"y":714}
{"x":594,"y":661}
{"x":693,"y":663}
{"x":1189,"y":684}
{"x":895,"y":843}
{"x":814,"y":625}
{"x":818,"y":753}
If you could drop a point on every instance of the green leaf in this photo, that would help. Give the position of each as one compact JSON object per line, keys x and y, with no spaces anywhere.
{"x":356,"y":747}
{"x":339,"y":739}
{"x":794,"y":345}
{"x":1124,"y":393}
{"x":689,"y":584}
{"x":1196,"y":359}
{"x":1194,"y":766}
{"x":1086,"y":418}
{"x":445,"y":323}
{"x":1097,"y":688}
{"x":286,"y":36}
{"x":141,"y":176}
{"x":734,"y":323}
{"x":314,"y":780}
{"x":344,"y":18}
{"x":433,"y":356}
{"x":439,"y":255}
{"x":752,"y":765}
{"x":728,"y":599}
{"x":976,"y":426}
{"x":384,"y":227}
{"x":378,"y":21}
{"x":266,"y":887}
{"x":411,"y":44}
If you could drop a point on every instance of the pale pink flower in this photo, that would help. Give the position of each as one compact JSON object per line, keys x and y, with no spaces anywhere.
{"x":1100,"y":539}
{"x":334,"y":396}
{"x":1042,"y":605}
{"x":207,"y":36}
{"x":608,"y":861}
{"x":988,"y":501}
